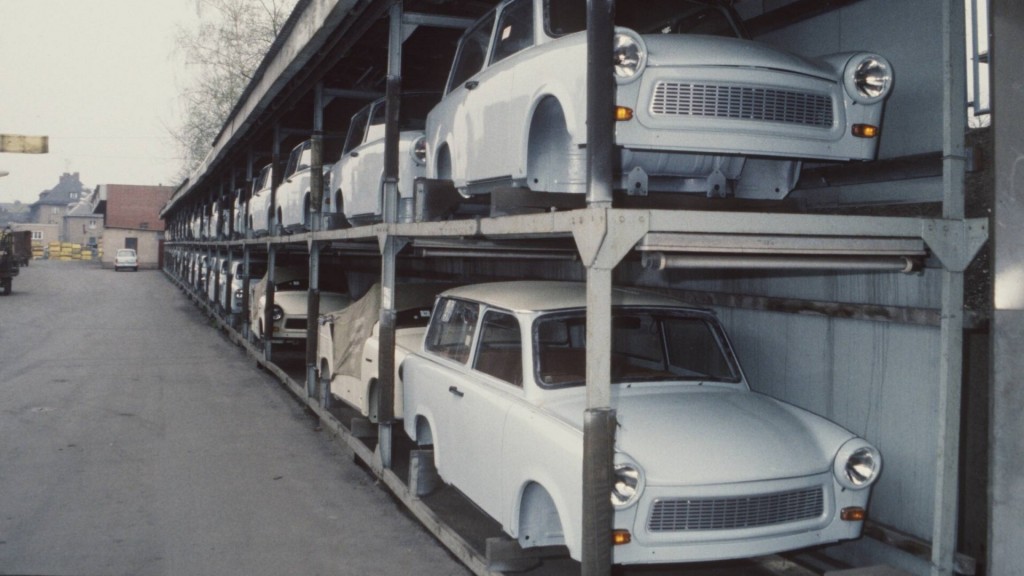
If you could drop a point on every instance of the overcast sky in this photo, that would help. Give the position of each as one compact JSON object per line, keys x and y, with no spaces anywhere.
{"x":100,"y":78}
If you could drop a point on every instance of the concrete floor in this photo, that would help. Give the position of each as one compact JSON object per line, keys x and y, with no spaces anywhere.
{"x":135,"y":439}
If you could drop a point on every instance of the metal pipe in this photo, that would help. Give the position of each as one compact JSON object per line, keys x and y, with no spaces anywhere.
{"x":663,"y":261}
{"x":600,"y":101}
{"x":493,"y":254}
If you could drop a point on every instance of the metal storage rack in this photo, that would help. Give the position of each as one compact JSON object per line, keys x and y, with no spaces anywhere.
{"x":601,"y":236}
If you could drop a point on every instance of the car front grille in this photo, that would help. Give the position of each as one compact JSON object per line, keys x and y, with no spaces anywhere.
{"x":742,"y":103}
{"x":673,"y":515}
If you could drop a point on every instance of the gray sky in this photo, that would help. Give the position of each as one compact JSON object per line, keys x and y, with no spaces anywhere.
{"x":100,"y":78}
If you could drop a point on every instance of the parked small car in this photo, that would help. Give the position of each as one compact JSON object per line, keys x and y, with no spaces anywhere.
{"x":358,"y":176}
{"x":705,"y":469}
{"x":126,"y":258}
{"x":700,"y":109}
{"x":259,"y":202}
{"x":349,"y":344}
{"x":257,"y":270}
{"x":291,"y":297}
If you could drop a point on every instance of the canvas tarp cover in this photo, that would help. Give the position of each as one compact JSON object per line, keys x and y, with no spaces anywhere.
{"x":353,"y":325}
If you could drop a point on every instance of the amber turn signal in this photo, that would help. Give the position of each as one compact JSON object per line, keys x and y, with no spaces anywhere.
{"x":620,"y":537}
{"x":853,"y":514}
{"x":865,"y":130}
{"x":622,"y":114}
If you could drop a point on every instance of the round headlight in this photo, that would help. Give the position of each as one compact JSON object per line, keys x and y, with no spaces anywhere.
{"x":629,"y":54}
{"x":627,"y":485}
{"x":419,"y":151}
{"x":277,"y":313}
{"x":857,"y":464}
{"x":868,"y":78}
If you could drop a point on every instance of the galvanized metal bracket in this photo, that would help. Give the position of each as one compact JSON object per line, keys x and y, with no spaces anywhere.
{"x":955,"y":242}
{"x":605,"y":235}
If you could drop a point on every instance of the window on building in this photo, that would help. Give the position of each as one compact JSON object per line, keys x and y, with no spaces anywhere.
{"x":37,"y":235}
{"x":978,"y":99}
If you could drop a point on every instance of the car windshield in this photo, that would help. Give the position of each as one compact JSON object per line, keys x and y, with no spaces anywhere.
{"x":125,"y":253}
{"x":648,"y":345}
{"x":645,"y":16}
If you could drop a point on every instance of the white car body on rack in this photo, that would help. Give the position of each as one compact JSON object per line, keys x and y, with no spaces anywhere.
{"x":705,"y":469}
{"x":701,"y":112}
{"x":357,"y":179}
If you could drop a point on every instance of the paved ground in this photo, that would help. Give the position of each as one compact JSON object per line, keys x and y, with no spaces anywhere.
{"x":134,"y":439}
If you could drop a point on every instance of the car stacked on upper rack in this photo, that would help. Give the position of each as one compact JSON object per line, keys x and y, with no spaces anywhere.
{"x":357,"y":179}
{"x":699,"y":108}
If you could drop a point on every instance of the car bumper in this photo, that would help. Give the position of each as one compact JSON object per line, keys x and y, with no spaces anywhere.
{"x":736,"y":521}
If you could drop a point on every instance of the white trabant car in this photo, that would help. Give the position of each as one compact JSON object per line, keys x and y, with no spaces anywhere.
{"x":358,"y":176}
{"x":293,"y":194}
{"x":291,"y":305}
{"x":126,"y":258}
{"x":699,"y":108}
{"x":705,"y":468}
{"x":257,"y":270}
{"x":259,"y":202}
{"x":294,"y":189}
{"x":349,"y":344}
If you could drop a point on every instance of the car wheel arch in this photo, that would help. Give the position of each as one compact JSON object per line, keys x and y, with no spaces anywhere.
{"x":538,"y":520}
{"x":443,"y":162}
{"x":547,"y":141}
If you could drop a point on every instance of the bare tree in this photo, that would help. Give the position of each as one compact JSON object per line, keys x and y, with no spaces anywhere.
{"x":223,"y":52}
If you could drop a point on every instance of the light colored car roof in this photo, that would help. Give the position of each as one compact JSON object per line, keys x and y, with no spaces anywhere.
{"x":540,"y":295}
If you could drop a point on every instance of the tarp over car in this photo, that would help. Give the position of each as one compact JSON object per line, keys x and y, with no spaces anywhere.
{"x":354,"y":324}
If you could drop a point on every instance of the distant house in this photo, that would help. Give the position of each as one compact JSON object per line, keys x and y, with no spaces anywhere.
{"x":54,"y":204}
{"x":83,"y":224}
{"x":132,"y":220}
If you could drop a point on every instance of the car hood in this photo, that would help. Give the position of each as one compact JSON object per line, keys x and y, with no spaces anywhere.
{"x":714,"y":51}
{"x":294,"y":302}
{"x":697,"y":435}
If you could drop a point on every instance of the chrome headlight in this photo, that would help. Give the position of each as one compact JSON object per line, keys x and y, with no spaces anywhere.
{"x":857,"y":464}
{"x":419,"y":151}
{"x":277,"y":313}
{"x":627,"y":484}
{"x":629,"y":54}
{"x":868,"y":78}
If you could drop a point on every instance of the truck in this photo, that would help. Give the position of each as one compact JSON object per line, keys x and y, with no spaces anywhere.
{"x":8,"y":260}
{"x":22,"y":244}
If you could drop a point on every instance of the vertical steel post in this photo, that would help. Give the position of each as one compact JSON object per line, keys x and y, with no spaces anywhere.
{"x":1006,"y":428}
{"x":244,"y":314}
{"x":386,"y":373}
{"x":947,"y":462}
{"x":268,"y":308}
{"x":599,"y":419}
{"x":316,"y":188}
{"x":600,"y":101}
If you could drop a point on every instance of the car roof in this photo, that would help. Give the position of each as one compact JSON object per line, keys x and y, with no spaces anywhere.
{"x":544,"y":295}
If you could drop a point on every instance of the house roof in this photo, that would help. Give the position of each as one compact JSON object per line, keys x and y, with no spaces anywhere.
{"x":135,"y":207}
{"x":69,"y":190}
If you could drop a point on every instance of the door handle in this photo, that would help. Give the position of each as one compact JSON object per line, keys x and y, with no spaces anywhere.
{"x":354,"y":154}
{"x":454,"y":390}
{"x":472,"y":84}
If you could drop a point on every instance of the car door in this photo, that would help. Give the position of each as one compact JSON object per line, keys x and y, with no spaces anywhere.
{"x":350,"y":164}
{"x":501,"y":104}
{"x":481,"y":402}
{"x":455,"y":121}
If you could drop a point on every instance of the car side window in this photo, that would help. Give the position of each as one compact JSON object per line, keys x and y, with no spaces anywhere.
{"x":515,"y":30}
{"x":451,"y":329}
{"x":472,"y":52}
{"x":356,"y":130}
{"x":500,"y":349}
